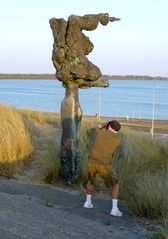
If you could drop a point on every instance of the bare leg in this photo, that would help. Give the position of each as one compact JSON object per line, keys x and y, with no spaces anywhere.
{"x":88,"y":202}
{"x":115,"y":193}
{"x":90,"y":188}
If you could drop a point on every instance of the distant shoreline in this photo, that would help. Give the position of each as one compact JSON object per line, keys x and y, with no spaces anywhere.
{"x":52,"y":77}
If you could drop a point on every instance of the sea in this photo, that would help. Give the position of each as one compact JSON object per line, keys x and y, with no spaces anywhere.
{"x":142,"y":99}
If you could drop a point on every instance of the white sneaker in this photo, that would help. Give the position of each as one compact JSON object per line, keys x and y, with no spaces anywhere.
{"x":88,"y":205}
{"x":116,"y":213}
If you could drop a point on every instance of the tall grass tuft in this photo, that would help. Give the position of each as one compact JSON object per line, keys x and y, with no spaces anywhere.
{"x":142,"y":164}
{"x":15,"y":142}
{"x":37,"y":116}
{"x":51,"y":163}
{"x":42,"y":117}
{"x":87,"y":134}
{"x":148,"y":195}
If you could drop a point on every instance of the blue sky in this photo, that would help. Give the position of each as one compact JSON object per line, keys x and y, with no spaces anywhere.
{"x":138,"y":44}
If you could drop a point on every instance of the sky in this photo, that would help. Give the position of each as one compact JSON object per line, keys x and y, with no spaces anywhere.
{"x":138,"y":44}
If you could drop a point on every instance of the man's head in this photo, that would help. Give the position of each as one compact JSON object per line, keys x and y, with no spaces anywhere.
{"x":114,"y":125}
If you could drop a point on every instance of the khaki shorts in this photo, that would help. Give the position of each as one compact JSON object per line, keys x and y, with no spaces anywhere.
{"x":107,"y":173}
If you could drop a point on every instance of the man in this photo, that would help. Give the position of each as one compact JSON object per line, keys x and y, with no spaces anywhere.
{"x":101,"y":162}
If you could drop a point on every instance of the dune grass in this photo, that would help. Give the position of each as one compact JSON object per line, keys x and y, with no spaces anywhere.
{"x":45,"y":128}
{"x":51,"y":163}
{"x":142,"y":163}
{"x":41,"y":117}
{"x":15,"y":141}
{"x":86,"y":142}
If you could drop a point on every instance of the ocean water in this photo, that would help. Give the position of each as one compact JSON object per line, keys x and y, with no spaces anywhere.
{"x":123,"y":98}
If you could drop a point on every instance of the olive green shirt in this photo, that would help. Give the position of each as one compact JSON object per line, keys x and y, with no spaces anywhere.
{"x":105,"y":145}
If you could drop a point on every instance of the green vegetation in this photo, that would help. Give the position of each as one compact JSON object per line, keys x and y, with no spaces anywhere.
{"x":47,"y":203}
{"x":51,"y":163}
{"x":52,"y":77}
{"x":41,"y":117}
{"x":135,"y":77}
{"x":27,"y":76}
{"x":163,"y":232}
{"x":142,"y":164}
{"x":45,"y":134}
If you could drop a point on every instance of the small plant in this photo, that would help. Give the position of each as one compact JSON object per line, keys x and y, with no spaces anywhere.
{"x":48,"y":203}
{"x":163,"y":232}
{"x":108,"y":222}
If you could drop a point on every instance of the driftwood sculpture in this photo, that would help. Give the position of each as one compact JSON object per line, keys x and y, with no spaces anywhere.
{"x":75,"y":71}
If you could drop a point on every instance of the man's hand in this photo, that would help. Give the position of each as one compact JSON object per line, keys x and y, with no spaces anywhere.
{"x":103,"y":125}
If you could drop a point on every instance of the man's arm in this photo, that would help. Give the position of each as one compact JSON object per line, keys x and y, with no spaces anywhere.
{"x":103,"y":125}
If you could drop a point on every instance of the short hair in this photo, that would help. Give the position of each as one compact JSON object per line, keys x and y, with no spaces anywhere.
{"x":114,"y":124}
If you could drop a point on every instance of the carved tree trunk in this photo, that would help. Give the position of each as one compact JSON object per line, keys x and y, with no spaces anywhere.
{"x":71,"y":115}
